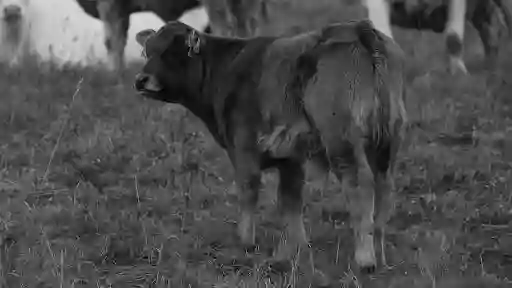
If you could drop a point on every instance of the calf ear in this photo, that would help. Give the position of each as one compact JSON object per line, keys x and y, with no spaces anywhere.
{"x":194,"y":41}
{"x":143,"y":36}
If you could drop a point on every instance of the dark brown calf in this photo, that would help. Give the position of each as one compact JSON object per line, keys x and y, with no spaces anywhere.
{"x":333,"y":96}
{"x":115,"y":15}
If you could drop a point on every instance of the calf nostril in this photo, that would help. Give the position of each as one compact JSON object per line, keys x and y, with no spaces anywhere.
{"x":141,"y":80}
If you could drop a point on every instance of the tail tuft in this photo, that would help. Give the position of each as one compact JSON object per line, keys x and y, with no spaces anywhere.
{"x":375,"y":43}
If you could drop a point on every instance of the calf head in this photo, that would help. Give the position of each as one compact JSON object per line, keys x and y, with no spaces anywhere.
{"x":169,"y":72}
{"x":12,"y":11}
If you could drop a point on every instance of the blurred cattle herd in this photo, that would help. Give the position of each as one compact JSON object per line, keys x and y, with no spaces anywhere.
{"x":243,"y":18}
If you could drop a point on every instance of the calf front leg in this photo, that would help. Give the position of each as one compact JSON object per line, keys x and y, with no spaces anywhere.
{"x":116,"y":25}
{"x":291,"y":182}
{"x":248,"y":184}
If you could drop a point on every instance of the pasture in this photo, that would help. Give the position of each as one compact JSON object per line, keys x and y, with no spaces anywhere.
{"x":101,"y":188}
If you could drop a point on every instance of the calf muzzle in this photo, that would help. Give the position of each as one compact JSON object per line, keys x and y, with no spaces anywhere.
{"x":146,"y":83}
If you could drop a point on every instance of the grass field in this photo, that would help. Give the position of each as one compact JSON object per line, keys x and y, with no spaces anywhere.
{"x":100,"y":188}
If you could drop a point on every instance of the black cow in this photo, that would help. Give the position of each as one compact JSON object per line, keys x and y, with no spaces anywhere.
{"x":487,"y":16}
{"x":115,"y":14}
{"x":333,"y":96}
{"x":440,"y":16}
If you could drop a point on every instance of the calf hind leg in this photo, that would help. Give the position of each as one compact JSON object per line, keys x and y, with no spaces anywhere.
{"x":382,"y":162}
{"x":291,"y":182}
{"x":348,"y":162}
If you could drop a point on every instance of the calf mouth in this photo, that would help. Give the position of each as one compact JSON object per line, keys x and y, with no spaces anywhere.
{"x":147,"y":84}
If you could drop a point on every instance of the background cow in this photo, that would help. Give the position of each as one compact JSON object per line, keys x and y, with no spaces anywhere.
{"x":342,"y":106}
{"x":14,"y":31}
{"x":449,"y":17}
{"x":236,"y":17}
{"x":115,"y":14}
{"x":440,"y":16}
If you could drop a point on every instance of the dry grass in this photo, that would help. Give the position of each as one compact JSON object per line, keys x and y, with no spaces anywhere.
{"x":100,"y":188}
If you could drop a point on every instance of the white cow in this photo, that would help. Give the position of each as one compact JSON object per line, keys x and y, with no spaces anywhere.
{"x":14,"y":31}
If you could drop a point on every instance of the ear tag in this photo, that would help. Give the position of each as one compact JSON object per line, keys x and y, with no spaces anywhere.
{"x":194,"y":42}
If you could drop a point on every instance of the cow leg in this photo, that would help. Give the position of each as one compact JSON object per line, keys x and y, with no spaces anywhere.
{"x":484,"y":22}
{"x":378,"y":13}
{"x":348,"y":162}
{"x":455,"y":34}
{"x":116,"y":26}
{"x":291,"y":182}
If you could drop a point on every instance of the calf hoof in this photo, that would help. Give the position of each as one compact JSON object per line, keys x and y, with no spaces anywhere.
{"x":321,"y":280}
{"x":368,"y":269}
{"x":366,"y":260}
{"x":286,"y":251}
{"x":250,"y":248}
{"x":280,"y":266}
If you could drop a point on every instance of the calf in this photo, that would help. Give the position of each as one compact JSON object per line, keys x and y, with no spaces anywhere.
{"x":115,"y":14}
{"x":333,"y":96}
{"x":14,"y":31}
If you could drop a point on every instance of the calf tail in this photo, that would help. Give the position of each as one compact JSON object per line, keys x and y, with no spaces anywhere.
{"x":375,"y":43}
